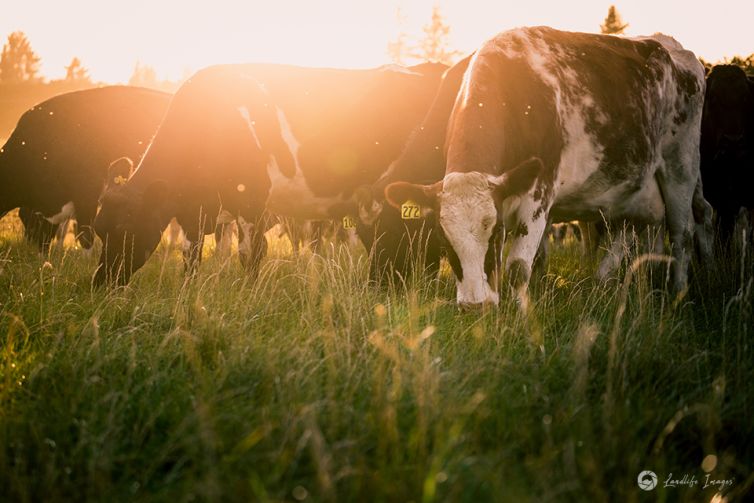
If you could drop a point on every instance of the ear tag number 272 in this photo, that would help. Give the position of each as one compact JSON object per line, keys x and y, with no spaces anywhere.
{"x":411,"y":210}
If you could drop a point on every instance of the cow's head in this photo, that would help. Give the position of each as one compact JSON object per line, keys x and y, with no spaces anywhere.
{"x":130,"y":227}
{"x":728,"y":106}
{"x":471,"y":216}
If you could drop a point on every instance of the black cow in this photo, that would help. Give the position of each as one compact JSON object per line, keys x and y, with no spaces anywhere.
{"x":408,"y":242}
{"x":55,"y":164}
{"x":249,"y":138}
{"x":727,"y":145}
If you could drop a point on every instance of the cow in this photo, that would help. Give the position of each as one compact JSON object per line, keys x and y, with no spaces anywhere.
{"x":256,"y":139}
{"x":411,"y":242}
{"x":727,"y":145}
{"x":556,"y":126}
{"x":58,"y":159}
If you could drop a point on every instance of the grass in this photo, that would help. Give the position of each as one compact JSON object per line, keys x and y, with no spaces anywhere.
{"x":309,"y":384}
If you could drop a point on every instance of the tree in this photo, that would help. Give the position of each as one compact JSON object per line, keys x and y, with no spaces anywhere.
{"x":746,"y":64}
{"x":613,"y":24}
{"x":75,"y":72}
{"x":434,"y":46}
{"x":18,"y":62}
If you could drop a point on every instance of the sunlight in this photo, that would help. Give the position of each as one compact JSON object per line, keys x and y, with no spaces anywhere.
{"x":177,"y":38}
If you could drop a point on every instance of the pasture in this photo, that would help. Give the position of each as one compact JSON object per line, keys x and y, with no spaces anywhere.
{"x":310,"y":384}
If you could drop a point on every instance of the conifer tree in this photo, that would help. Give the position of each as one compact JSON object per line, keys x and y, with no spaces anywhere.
{"x":435,"y":46}
{"x":18,"y":62}
{"x":75,"y":72}
{"x":613,"y":24}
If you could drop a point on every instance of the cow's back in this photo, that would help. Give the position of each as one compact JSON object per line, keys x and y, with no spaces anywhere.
{"x":601,"y":112}
{"x":61,"y":148}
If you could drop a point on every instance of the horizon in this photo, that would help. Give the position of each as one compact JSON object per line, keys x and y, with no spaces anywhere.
{"x":334,"y":33}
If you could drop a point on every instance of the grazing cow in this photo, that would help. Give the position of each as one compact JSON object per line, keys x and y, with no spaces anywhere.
{"x":411,"y":241}
{"x":55,"y":164}
{"x":551,"y":125}
{"x":727,"y":145}
{"x":249,"y":138}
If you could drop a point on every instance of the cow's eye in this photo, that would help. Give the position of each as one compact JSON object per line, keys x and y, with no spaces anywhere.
{"x":487,"y":223}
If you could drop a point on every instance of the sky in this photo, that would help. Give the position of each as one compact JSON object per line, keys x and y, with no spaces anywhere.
{"x":178,"y":37}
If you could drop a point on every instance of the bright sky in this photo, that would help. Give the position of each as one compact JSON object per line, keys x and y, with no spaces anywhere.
{"x":180,"y":36}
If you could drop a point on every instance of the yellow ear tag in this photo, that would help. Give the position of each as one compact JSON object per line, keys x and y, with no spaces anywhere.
{"x":411,"y":210}
{"x":120,"y":180}
{"x":348,"y":222}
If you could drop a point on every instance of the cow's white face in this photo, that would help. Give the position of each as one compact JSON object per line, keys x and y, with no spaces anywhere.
{"x":469,"y":207}
{"x":468,"y":215}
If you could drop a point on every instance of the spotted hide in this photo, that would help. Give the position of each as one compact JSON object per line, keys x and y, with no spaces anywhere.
{"x":246,"y":139}
{"x":552,"y":125}
{"x":55,"y":163}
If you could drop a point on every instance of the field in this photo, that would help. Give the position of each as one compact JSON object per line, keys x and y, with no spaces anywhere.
{"x":312,"y":385}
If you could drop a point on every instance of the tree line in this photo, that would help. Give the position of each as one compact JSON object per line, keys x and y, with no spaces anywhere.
{"x":433,"y":44}
{"x":22,"y":85}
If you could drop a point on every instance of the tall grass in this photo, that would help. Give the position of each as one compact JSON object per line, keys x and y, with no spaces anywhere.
{"x":311,"y":384}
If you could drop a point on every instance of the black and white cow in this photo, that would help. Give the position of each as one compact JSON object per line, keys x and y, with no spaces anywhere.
{"x":55,"y":163}
{"x":727,"y":145}
{"x":250,"y":138}
{"x":552,"y":125}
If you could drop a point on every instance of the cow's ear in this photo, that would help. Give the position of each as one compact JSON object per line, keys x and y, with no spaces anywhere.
{"x":155,"y":193}
{"x":425,"y":195}
{"x":517,"y":180}
{"x":119,"y":171}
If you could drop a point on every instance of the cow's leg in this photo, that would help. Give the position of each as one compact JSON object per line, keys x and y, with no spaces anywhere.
{"x":532,"y":215}
{"x":85,"y":214}
{"x":252,"y":244}
{"x":37,"y":230}
{"x":679,"y":219}
{"x":223,"y":239}
{"x":316,"y":235}
{"x":290,"y":227}
{"x":643,"y":238}
{"x":592,"y":234}
{"x":192,"y":249}
{"x":614,"y":256}
{"x":703,"y":224}
{"x":224,"y":233}
{"x":62,"y":231}
{"x":656,"y":239}
{"x":542,"y":257}
{"x":192,"y":255}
